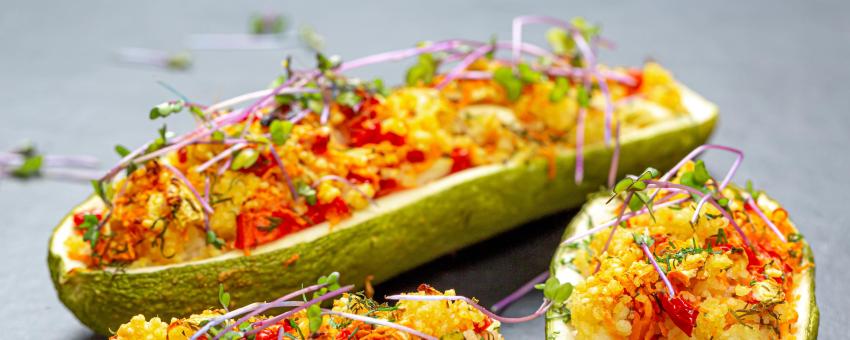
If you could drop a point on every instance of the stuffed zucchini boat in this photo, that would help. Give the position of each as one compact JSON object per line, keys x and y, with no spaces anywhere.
{"x":325,"y":172}
{"x":687,"y":257}
{"x":351,"y":316}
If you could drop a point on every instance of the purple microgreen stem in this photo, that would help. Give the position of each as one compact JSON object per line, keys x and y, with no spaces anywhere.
{"x":279,"y":302}
{"x":519,"y":293}
{"x":662,"y":184}
{"x":279,"y":162}
{"x":226,"y":153}
{"x":755,"y":207}
{"x":664,"y":278}
{"x":179,"y":175}
{"x":268,"y":322}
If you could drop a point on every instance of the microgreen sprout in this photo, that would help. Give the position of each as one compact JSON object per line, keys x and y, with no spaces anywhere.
{"x":223,"y":297}
{"x":644,"y":241}
{"x":268,"y":24}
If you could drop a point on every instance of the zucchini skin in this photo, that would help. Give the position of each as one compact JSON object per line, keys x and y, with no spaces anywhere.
{"x":434,"y":224}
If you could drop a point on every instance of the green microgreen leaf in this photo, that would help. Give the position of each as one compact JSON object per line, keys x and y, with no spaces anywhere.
{"x":217,"y":136}
{"x":423,"y":71}
{"x":583,"y":97}
{"x":377,"y":86}
{"x":753,"y":193}
{"x":306,"y":191}
{"x":31,"y":167}
{"x":223,"y":297}
{"x":641,"y":239}
{"x":348,"y":98}
{"x":528,"y":74}
{"x":121,"y":150}
{"x":559,"y":92}
{"x":166,"y":109}
{"x":214,"y":240}
{"x":493,"y":40}
{"x":179,"y":61}
{"x":325,"y":63}
{"x":795,"y":237}
{"x":267,"y":24}
{"x":90,"y":225}
{"x":280,"y":130}
{"x":701,"y":175}
{"x":505,"y":77}
{"x":311,"y":38}
{"x":560,"y":41}
{"x":244,"y":159}
{"x":623,"y":185}
{"x":314,"y":314}
{"x":556,"y":291}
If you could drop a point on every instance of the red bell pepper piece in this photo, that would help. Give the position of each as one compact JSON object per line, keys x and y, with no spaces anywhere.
{"x":681,"y":312}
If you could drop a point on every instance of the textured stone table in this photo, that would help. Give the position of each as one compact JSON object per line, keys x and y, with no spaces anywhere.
{"x":778,"y":73}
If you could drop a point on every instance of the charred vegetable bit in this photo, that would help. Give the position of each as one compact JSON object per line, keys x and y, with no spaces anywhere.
{"x":318,"y":146}
{"x":710,"y":269}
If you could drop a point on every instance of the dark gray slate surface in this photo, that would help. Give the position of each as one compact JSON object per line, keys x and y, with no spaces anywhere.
{"x":779,"y":74}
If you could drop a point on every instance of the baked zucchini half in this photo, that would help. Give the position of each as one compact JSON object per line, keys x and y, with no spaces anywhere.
{"x":401,"y":231}
{"x":598,"y":210}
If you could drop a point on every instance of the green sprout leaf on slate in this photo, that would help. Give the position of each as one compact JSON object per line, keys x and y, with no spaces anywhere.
{"x":559,"y":92}
{"x":223,"y":297}
{"x":179,"y":61}
{"x":311,"y":38}
{"x":268,"y":24}
{"x":505,"y":77}
{"x":244,"y":159}
{"x":280,"y":131}
{"x":306,"y":191}
{"x":556,"y":291}
{"x":423,"y":71}
{"x":31,"y":167}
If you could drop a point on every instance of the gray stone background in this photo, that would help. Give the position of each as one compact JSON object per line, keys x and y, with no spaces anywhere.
{"x":778,"y":72}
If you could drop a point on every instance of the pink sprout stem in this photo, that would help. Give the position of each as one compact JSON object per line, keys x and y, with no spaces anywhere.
{"x":468,"y":60}
{"x":189,"y":185}
{"x":220,"y":156}
{"x":615,"y":158}
{"x":268,"y":322}
{"x":282,"y":168}
{"x":615,"y":221}
{"x":380,"y":322}
{"x":764,"y":218}
{"x":662,"y":184}
{"x":540,"y":311}
{"x":664,"y":278}
{"x":519,"y":293}
{"x":399,"y":54}
{"x":274,"y":304}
